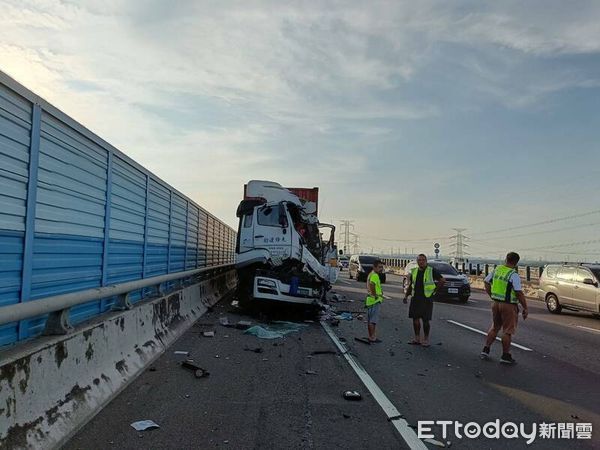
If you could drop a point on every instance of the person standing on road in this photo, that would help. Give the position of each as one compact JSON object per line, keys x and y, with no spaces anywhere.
{"x":374,"y":300}
{"x":423,"y":282}
{"x":503,"y":285}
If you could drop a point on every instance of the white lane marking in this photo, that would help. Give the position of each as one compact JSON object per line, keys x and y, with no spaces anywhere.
{"x":485,"y":334}
{"x":343,"y":281}
{"x":386,"y":297}
{"x":394,"y":416}
{"x":588,"y":328}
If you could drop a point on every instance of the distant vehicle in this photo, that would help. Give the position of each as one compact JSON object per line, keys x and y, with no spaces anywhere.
{"x":573,"y":287}
{"x":456,"y":286}
{"x":360,"y":266}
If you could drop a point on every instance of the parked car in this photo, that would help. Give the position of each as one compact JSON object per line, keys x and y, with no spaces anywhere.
{"x":360,"y":266}
{"x":569,"y":286}
{"x":343,"y":263}
{"x":456,"y":284}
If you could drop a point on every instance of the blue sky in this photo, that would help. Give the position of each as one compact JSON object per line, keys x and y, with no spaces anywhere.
{"x":412,"y":117}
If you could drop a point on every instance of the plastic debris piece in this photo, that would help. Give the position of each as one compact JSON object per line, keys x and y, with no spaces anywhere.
{"x":143,"y":425}
{"x":180,"y":352}
{"x":311,"y":372}
{"x":276,"y":330}
{"x":435,"y":442}
{"x":352,"y":396}
{"x":346,"y":416}
{"x":208,"y":334}
{"x":360,"y":317}
{"x":344,"y":316}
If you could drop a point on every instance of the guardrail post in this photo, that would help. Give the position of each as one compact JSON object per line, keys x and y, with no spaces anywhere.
{"x":123,"y":303}
{"x":487,"y":269}
{"x":528,"y":273}
{"x":107,"y":213}
{"x":32,"y":183}
{"x":57,"y":323}
{"x":478,"y":270}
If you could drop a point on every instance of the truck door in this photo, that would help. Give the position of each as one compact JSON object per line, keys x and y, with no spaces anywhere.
{"x":272,"y":230}
{"x":246,"y":233}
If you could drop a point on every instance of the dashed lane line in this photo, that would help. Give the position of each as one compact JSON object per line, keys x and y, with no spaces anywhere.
{"x":393,"y":415}
{"x":485,"y":334}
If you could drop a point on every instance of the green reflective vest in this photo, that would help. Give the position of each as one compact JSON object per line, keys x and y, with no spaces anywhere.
{"x":374,"y":278}
{"x":428,"y":281}
{"x":501,"y":288}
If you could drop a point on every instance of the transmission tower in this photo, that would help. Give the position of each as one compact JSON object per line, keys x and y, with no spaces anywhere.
{"x":347,"y":225}
{"x":459,"y":246}
{"x":355,"y":243}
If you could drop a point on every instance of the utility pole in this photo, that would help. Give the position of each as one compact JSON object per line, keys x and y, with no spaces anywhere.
{"x":459,"y":246}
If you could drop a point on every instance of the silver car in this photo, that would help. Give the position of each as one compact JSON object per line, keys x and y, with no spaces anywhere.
{"x":570,"y":286}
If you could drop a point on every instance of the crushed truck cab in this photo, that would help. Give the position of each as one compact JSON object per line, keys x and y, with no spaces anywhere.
{"x":281,"y":254}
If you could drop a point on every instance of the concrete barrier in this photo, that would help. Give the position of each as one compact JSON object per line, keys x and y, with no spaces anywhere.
{"x":52,"y":386}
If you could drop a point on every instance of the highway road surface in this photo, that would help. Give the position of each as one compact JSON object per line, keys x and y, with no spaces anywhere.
{"x":288,"y":394}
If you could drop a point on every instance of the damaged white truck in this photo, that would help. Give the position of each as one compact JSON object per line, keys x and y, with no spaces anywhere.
{"x":281,"y":252}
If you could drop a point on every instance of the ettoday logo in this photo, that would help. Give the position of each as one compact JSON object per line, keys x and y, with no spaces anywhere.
{"x":506,"y":430}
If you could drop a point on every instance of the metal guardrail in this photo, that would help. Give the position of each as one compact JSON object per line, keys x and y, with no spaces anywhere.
{"x":58,"y":306}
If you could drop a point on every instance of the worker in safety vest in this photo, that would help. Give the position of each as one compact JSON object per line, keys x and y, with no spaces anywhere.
{"x":423,"y":282}
{"x":374,"y":300}
{"x":503,"y":285}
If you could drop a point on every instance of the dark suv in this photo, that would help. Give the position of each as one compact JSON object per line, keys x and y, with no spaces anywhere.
{"x":360,"y":266}
{"x":456,"y":285}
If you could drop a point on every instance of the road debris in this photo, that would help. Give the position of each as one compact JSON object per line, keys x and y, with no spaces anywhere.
{"x":208,"y":334}
{"x":275,"y":330}
{"x":199,"y":372}
{"x":181,"y":352}
{"x":435,"y":442}
{"x":310,"y":372}
{"x":255,"y":350}
{"x":352,"y":396}
{"x":323,"y":352}
{"x":344,"y":316}
{"x":225,"y":322}
{"x":243,"y":324}
{"x":346,"y":416}
{"x":363,"y":340}
{"x":143,"y":425}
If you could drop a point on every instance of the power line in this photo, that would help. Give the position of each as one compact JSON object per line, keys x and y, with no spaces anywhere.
{"x":545,"y":222}
{"x":532,"y":233}
{"x":438,"y":238}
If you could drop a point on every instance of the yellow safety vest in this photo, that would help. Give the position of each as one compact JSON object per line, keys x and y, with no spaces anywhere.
{"x":428,"y":282}
{"x":501,"y":288}
{"x":374,"y":278}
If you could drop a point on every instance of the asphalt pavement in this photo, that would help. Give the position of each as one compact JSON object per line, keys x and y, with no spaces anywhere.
{"x":289,"y":395}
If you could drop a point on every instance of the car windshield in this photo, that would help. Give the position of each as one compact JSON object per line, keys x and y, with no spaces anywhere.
{"x":444,"y":269}
{"x":367,"y":259}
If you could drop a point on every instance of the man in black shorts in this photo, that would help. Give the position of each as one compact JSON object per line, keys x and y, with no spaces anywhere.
{"x":423,"y":281}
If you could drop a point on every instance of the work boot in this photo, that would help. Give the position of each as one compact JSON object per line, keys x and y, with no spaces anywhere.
{"x":485,"y":353}
{"x":507,"y":359}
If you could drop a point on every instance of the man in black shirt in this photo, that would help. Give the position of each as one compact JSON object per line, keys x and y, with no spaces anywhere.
{"x":423,"y":281}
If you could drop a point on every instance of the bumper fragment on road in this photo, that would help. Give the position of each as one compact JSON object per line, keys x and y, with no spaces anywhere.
{"x":393,"y":415}
{"x":485,"y":334}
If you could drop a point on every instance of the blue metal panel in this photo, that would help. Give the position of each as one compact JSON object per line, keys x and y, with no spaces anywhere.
{"x":147,"y":199}
{"x":178,"y":220}
{"x":187,"y":226}
{"x":192,"y":248}
{"x":170,"y":231}
{"x":158,"y":229}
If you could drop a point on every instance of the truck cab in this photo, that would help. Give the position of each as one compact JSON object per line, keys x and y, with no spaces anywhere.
{"x":283,"y":253}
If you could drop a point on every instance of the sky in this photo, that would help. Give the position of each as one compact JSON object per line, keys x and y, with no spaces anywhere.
{"x":413,"y":118}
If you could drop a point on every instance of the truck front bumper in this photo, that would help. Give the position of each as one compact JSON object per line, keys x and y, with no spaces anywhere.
{"x":266,"y":288}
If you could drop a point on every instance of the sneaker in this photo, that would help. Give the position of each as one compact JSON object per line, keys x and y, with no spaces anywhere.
{"x":507,"y":359}
{"x":485,"y":353}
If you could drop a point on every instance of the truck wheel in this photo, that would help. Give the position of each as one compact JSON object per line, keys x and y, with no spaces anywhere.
{"x":552,"y":304}
{"x":464,"y":299}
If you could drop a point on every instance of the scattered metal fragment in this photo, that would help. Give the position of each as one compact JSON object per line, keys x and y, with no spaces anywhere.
{"x":435,"y":442}
{"x":255,"y":350}
{"x":208,"y":334}
{"x":180,"y":352}
{"x":352,"y":395}
{"x":199,"y":372}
